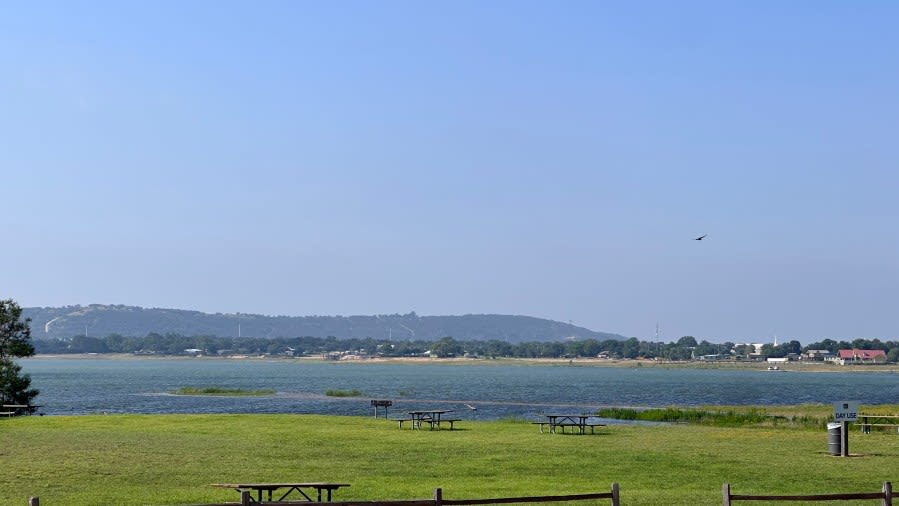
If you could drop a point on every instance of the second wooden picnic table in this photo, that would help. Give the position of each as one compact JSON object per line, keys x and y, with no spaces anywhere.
{"x":19,"y":409}
{"x":270,"y":488}
{"x":432,"y":417}
{"x":865,"y":422}
{"x":579,"y":422}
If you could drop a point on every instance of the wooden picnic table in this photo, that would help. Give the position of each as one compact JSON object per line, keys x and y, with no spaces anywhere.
{"x":270,"y":488}
{"x":381,"y":403}
{"x":868,"y":421}
{"x":16,"y":409}
{"x":433,"y":417}
{"x":579,"y":422}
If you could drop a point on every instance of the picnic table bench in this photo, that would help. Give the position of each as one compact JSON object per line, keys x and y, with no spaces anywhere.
{"x":18,"y":409}
{"x":432,"y":423}
{"x":432,"y":417}
{"x":868,"y":421}
{"x":270,"y":488}
{"x":578,"y":423}
{"x":435,"y":424}
{"x":381,"y":403}
{"x":546,"y":426}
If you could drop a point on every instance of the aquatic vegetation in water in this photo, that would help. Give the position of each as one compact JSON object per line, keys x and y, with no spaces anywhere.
{"x":343,"y":393}
{"x":221,"y":391}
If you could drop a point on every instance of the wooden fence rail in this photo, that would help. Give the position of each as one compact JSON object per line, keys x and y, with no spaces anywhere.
{"x":885,"y":496}
{"x":438,"y":500}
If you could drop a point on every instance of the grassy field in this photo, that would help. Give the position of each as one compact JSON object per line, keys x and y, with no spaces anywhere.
{"x":171,"y":459}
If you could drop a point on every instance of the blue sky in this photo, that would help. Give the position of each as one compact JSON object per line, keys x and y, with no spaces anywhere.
{"x":551,"y":159}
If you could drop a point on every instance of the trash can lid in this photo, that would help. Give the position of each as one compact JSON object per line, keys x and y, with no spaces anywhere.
{"x":833,"y":425}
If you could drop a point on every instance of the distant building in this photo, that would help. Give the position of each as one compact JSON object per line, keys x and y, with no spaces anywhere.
{"x":756,"y":353}
{"x":856,"y":356}
{"x":817,"y":355}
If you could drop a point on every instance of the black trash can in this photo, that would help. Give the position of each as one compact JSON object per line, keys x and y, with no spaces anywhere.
{"x":834,"y":438}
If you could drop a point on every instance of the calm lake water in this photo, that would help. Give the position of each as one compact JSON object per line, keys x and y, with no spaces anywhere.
{"x":103,"y":385}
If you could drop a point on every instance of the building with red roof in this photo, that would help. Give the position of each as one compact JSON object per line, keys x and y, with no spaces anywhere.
{"x":856,"y":356}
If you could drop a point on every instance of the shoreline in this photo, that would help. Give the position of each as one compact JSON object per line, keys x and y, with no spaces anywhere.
{"x":790,"y":367}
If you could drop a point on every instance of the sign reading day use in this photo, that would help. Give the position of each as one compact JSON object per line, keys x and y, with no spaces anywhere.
{"x":845,"y":411}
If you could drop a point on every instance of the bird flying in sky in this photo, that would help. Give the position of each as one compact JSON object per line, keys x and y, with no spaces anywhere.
{"x":700,"y":237}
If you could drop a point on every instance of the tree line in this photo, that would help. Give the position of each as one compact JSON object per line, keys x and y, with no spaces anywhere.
{"x":685,"y":348}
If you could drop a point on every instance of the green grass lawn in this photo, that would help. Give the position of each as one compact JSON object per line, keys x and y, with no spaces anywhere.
{"x":171,"y":459}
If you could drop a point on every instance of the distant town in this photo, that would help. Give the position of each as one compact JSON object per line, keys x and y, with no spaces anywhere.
{"x":686,"y":348}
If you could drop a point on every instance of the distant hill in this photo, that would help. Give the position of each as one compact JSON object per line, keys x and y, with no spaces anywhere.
{"x":97,"y":320}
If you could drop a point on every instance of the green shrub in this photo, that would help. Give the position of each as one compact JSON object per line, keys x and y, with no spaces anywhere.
{"x":750,"y":416}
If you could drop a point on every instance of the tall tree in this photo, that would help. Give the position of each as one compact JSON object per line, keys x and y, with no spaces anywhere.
{"x":15,"y":342}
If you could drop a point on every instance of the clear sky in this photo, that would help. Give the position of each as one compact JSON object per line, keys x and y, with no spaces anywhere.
{"x":550,"y":159}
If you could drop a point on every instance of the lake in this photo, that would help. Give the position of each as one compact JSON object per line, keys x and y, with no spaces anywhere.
{"x":74,"y":386}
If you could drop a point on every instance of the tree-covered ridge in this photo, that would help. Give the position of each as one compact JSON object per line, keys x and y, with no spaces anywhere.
{"x":103,"y":320}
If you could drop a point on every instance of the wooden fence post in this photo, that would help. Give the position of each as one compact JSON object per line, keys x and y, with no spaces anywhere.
{"x":438,"y":496}
{"x":615,"y":496}
{"x":34,"y":501}
{"x":887,"y":494}
{"x":725,"y":491}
